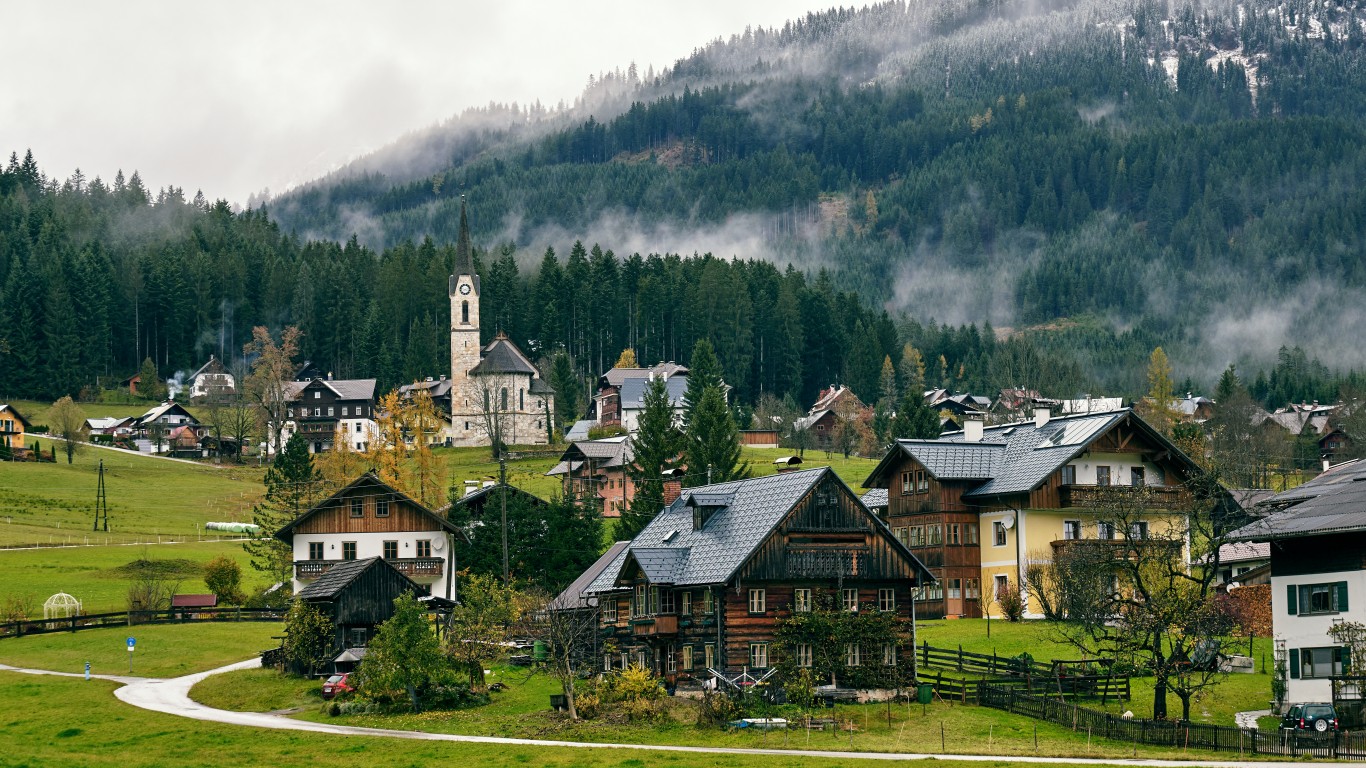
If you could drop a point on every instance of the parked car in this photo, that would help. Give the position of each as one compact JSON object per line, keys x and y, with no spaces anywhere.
{"x":1314,"y":716}
{"x":337,"y":684}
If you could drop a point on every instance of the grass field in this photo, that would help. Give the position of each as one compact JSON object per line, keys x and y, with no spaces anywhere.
{"x":163,"y":650}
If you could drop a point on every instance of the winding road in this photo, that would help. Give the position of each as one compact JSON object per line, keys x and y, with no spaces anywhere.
{"x":172,"y":696}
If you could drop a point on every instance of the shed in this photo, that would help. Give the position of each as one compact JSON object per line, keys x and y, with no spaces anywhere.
{"x":767,"y":438}
{"x":358,"y":595}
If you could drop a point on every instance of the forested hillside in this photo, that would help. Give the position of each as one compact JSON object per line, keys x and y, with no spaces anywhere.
{"x":1185,"y":174}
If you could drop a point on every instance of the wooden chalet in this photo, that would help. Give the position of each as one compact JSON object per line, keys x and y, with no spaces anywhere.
{"x":706,"y":583}
{"x":977,"y":506}
{"x":367,"y":519}
{"x":12,"y":428}
{"x":358,"y":596}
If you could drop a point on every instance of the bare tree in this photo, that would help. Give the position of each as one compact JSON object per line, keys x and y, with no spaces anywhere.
{"x":570,"y":635}
{"x":67,"y":421}
{"x":272,"y":372}
{"x":493,"y":398}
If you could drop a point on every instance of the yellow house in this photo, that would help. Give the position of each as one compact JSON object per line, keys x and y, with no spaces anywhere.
{"x":12,"y":427}
{"x":980,"y":505}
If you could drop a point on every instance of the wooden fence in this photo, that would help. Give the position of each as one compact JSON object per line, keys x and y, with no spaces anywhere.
{"x":1067,"y":678}
{"x":130,"y":618}
{"x":1342,"y":745}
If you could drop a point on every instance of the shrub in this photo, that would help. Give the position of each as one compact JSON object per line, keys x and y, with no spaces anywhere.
{"x":635,"y":691}
{"x":1012,"y":606}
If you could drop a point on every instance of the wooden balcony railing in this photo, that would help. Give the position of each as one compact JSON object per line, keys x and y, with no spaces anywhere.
{"x":412,"y":567}
{"x":1101,"y":496}
{"x":655,"y":625}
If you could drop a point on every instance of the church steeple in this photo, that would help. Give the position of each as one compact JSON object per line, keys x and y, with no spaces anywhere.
{"x":464,"y":263}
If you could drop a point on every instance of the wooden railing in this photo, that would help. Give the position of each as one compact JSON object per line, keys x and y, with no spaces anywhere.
{"x":1101,"y":496}
{"x":408,"y":566}
{"x":1065,"y":677}
{"x":655,"y":625}
{"x":130,"y":618}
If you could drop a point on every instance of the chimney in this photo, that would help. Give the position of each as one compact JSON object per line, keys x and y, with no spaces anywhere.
{"x":329,"y":375}
{"x":673,"y":488}
{"x":1326,"y":463}
{"x":972,"y":430}
{"x":1041,"y":416}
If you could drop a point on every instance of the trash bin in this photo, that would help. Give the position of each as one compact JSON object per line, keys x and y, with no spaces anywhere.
{"x":538,"y":651}
{"x":559,"y":702}
{"x":925,"y":693}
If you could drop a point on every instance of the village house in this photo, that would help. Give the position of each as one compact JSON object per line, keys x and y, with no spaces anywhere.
{"x":621,"y":393}
{"x":598,"y":471}
{"x":167,"y":427}
{"x":368,"y":518}
{"x":980,"y":505}
{"x":320,"y":410}
{"x":1316,"y":539}
{"x":357,"y":596}
{"x":211,"y":382}
{"x":833,"y":406}
{"x":706,"y":583}
{"x":13,"y":425}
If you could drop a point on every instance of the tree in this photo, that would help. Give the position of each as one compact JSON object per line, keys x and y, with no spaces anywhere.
{"x":404,"y":655}
{"x":223,"y":577}
{"x":494,"y":396}
{"x":67,"y":421}
{"x":914,"y":419}
{"x":480,"y":624}
{"x":149,"y":386}
{"x":423,"y":422}
{"x":1156,"y":408}
{"x":339,"y":466}
{"x":568,"y":390}
{"x":627,"y":359}
{"x":308,"y":637}
{"x":549,"y":544}
{"x":272,"y":372}
{"x":291,"y":483}
{"x":712,"y":450}
{"x":703,"y":371}
{"x":656,"y":446}
{"x":570,"y":636}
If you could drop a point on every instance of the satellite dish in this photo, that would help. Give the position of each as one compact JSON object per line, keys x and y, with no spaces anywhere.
{"x":439,"y":544}
{"x":1008,"y":522}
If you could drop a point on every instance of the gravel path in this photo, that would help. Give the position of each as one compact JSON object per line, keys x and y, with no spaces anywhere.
{"x":1249,"y":719}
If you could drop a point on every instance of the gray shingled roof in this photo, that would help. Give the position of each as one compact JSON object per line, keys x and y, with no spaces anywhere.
{"x":956,"y":461}
{"x":607,"y":453}
{"x":502,"y":356}
{"x":729,"y":537}
{"x":1333,"y":502}
{"x":633,"y":391}
{"x":336,"y":579}
{"x":875,"y":499}
{"x":573,"y":595}
{"x":661,"y":565}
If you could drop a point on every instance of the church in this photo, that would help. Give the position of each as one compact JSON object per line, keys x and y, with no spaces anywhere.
{"x":496,"y":394}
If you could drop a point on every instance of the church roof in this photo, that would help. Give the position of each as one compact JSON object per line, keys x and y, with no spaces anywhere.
{"x":503,"y":356}
{"x":464,"y":264}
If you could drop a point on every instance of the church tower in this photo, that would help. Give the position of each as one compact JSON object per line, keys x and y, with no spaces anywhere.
{"x":464,"y":293}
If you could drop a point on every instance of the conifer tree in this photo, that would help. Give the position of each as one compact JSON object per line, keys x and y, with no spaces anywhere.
{"x":703,"y":371}
{"x":292,"y":484}
{"x":914,"y":419}
{"x":656,"y":446}
{"x":713,"y":442}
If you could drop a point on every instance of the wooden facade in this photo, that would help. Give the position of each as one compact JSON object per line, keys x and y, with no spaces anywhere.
{"x":931,"y":518}
{"x":362,"y":602}
{"x":826,"y":543}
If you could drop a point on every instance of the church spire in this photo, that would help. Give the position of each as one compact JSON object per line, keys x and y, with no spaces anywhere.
{"x":464,"y":264}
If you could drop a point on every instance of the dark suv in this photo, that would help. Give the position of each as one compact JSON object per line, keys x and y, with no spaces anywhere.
{"x":1321,"y":718}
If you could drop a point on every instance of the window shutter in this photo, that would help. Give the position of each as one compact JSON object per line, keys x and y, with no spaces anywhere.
{"x":1294,"y":662}
{"x":1345,"y":652}
{"x":1290,"y":594}
{"x":1342,"y":596}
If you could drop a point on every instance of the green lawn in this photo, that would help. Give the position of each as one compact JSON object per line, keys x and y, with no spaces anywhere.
{"x":257,"y":690}
{"x":99,"y":576}
{"x":853,"y":471}
{"x":163,"y":650}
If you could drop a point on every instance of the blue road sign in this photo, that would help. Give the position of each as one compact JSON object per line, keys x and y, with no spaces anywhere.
{"x":131,"y":642}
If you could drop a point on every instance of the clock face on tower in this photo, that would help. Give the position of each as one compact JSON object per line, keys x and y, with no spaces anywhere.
{"x":465,"y":289}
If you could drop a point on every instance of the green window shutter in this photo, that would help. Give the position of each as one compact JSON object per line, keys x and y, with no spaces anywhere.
{"x":1290,"y":594}
{"x":1345,"y":652}
{"x":1342,"y":596}
{"x":1294,"y":662}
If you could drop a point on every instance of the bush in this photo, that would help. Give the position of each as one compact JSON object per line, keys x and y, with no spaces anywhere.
{"x":1012,"y":606}
{"x":635,"y":692}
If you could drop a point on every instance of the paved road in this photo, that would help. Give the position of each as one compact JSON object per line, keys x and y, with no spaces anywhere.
{"x":172,"y":697}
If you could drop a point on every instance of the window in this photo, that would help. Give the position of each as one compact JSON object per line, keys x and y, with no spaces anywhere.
{"x":1306,"y":599}
{"x":465,"y":312}
{"x":625,"y":660}
{"x":998,"y":532}
{"x":801,"y":600}
{"x":849,"y":600}
{"x":609,"y":612}
{"x":381,"y":507}
{"x":1069,"y":475}
{"x":667,"y":601}
{"x":1105,"y":530}
{"x":1002,"y":585}
{"x":424,"y":548}
{"x":653,"y":607}
{"x":357,"y":510}
{"x":685,"y":606}
{"x":315,"y":550}
{"x":971,"y":531}
{"x":317,"y":394}
{"x":1138,"y":530}
{"x":851,"y":655}
{"x":955,"y":533}
{"x":1319,"y":662}
{"x":358,"y":637}
{"x":673,"y":659}
{"x":687,"y":657}
{"x":289,"y":413}
{"x":758,"y":655}
{"x":889,"y":654}
{"x":902,"y":536}
{"x":707,"y":605}
{"x":607,"y":663}
{"x":709,"y":655}
{"x":348,"y":550}
{"x":503,"y":399}
{"x":329,"y":410}
{"x":1102,"y":474}
{"x":972,"y":589}
{"x":886,"y":599}
{"x":1136,"y":477}
{"x":358,"y":429}
{"x":804,"y":654}
{"x":907,"y":483}
{"x":345,"y":410}
{"x":758,"y":601}
{"x":1071,"y":530}
{"x":922,"y":481}
{"x":917,"y":534}
{"x":935,"y":534}
{"x":391,"y":550}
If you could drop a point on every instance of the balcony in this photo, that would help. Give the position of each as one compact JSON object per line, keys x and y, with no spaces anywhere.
{"x":1161,"y":497}
{"x":312,"y":427}
{"x":412,"y":567}
{"x":654,"y":625}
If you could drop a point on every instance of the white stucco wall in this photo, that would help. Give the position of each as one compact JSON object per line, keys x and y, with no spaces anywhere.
{"x":1300,"y":631}
{"x":372,"y":545}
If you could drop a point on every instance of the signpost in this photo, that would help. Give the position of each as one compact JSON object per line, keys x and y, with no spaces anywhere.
{"x":132,"y":643}
{"x":87,"y":670}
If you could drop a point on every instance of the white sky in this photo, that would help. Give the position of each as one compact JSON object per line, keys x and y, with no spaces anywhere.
{"x":237,"y":98}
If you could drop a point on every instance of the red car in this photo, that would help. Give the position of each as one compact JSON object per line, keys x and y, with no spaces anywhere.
{"x":337,"y":684}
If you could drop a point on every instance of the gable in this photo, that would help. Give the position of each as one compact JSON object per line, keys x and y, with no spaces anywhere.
{"x":335,"y":513}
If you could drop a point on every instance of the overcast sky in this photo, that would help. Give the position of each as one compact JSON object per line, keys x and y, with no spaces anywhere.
{"x":235,"y":98}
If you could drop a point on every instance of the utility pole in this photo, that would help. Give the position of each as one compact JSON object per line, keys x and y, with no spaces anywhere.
{"x":503,"y":493}
{"x":101,"y":502}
